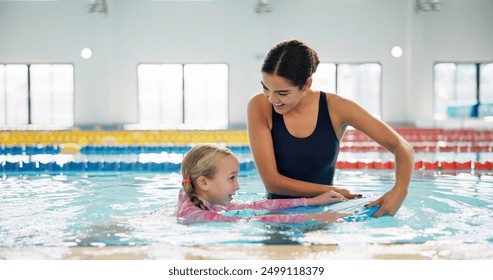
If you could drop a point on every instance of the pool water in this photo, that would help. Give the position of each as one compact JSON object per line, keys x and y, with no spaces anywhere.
{"x":137,"y":208}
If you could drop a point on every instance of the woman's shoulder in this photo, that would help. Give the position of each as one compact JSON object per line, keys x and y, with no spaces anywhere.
{"x":259,"y":102}
{"x":335,"y":100}
{"x":341,"y":109}
{"x":330,"y":95}
{"x":257,"y":98}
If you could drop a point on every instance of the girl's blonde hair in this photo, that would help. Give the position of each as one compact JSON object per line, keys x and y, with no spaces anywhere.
{"x":201,"y":160}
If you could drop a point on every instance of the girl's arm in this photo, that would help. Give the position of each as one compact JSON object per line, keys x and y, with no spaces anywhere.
{"x":194,"y":214}
{"x":278,"y":204}
{"x":187,"y":213}
{"x":269,"y":204}
{"x":301,"y":218}
{"x":211,"y":216}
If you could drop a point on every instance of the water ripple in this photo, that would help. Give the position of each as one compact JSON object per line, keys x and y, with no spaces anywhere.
{"x":103,"y":209}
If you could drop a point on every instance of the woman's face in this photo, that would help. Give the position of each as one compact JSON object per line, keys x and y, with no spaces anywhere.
{"x":281,"y":93}
{"x":225,"y":184}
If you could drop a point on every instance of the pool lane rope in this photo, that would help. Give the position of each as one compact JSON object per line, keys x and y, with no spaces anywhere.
{"x":121,"y":166}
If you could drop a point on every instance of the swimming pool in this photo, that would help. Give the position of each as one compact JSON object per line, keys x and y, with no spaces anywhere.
{"x":111,"y":194}
{"x":134,"y":208}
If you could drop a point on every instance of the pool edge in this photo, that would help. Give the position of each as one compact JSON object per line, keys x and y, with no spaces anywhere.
{"x":426,"y":251}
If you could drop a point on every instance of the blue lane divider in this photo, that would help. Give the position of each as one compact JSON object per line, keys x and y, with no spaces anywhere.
{"x":7,"y":167}
{"x":29,"y":150}
{"x":100,"y":166}
{"x":106,"y":150}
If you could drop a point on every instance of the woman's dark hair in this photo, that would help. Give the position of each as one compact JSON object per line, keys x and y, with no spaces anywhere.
{"x":292,"y":60}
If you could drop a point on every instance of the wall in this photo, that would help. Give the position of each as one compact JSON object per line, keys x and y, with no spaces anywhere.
{"x":461,"y":32}
{"x":229,"y":31}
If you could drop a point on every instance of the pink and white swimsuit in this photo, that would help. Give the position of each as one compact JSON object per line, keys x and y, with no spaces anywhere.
{"x":188,"y":213}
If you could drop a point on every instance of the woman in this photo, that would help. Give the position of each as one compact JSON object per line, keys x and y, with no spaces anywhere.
{"x":294,"y":131}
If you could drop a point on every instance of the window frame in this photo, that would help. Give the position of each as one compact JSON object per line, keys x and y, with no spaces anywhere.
{"x":360,"y":102}
{"x":183,"y":122}
{"x":29,"y":83}
{"x":464,"y":109}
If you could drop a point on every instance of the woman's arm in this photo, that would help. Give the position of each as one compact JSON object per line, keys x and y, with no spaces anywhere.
{"x":348,"y":113}
{"x":259,"y":132}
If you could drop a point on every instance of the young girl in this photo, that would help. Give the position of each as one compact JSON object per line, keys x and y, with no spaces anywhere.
{"x":210,"y":180}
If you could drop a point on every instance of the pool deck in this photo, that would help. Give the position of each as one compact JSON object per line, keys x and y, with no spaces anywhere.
{"x":426,"y":251}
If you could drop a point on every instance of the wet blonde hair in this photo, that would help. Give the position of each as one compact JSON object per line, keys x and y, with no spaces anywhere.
{"x":201,"y":160}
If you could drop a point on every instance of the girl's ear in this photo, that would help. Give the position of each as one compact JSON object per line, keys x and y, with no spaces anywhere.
{"x":202,"y":183}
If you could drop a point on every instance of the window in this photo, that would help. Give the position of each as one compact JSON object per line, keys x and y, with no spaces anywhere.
{"x":358,"y":82}
{"x":189,"y":94}
{"x":160,"y":93}
{"x":486,"y":84}
{"x":463,"y":89}
{"x":324,"y":78}
{"x":37,"y":94}
{"x":13,"y":94}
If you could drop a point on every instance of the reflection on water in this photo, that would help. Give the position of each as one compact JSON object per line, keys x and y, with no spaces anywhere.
{"x":106,"y":209}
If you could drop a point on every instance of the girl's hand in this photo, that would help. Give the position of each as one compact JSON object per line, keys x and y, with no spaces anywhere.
{"x":325,"y":198}
{"x":326,"y":216}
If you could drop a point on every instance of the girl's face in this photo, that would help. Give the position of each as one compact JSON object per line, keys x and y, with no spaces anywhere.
{"x":281,"y":93}
{"x":225,"y":184}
